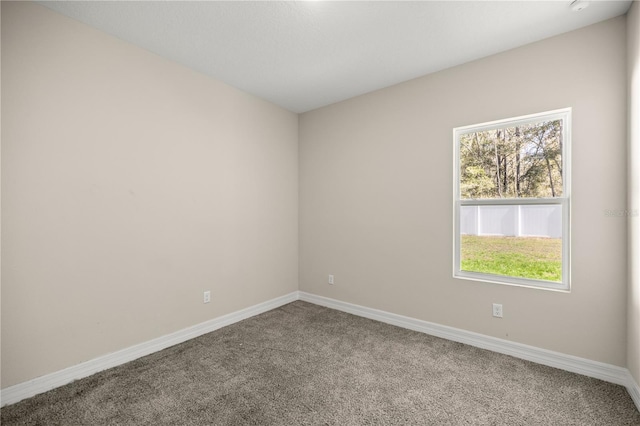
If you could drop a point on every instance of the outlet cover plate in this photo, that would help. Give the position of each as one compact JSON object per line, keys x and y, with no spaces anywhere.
{"x":497,"y":310}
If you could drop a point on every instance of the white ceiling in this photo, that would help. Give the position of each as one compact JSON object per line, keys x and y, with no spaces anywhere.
{"x":306,"y":54}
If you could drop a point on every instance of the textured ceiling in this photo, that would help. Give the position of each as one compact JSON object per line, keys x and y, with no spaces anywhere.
{"x":306,"y":54}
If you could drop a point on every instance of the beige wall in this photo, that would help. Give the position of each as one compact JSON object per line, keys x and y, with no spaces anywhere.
{"x":376,"y":194}
{"x":130,"y":185}
{"x":633,"y":332}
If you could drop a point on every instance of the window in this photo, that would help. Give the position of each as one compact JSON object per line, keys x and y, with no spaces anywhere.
{"x":511,"y":201}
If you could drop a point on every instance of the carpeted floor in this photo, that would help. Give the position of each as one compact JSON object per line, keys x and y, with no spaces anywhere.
{"x":304,"y":364}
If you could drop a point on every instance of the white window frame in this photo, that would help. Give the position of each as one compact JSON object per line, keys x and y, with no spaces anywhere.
{"x":560,"y":114}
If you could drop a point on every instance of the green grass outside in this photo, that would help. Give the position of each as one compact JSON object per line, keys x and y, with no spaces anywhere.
{"x":524,"y":257}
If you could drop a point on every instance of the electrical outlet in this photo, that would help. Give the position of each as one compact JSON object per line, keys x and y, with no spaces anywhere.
{"x":207,"y":296}
{"x":497,"y":310}
{"x":330,"y":279}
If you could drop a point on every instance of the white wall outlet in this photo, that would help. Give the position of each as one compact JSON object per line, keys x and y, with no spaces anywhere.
{"x":497,"y":310}
{"x":330,"y":279}
{"x":207,"y":296}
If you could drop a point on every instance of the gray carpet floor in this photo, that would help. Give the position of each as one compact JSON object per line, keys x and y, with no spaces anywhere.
{"x":303,"y":364}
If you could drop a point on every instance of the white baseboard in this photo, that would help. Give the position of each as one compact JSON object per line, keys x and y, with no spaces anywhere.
{"x":598,"y":370}
{"x":50,"y":381}
{"x":607,"y":372}
{"x":634,"y":391}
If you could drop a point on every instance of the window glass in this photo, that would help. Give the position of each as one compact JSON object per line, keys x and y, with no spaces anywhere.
{"x":512,"y":162}
{"x":511,"y":201}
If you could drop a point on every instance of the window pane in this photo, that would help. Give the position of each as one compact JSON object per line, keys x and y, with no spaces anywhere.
{"x":523,"y":241}
{"x":512,"y":162}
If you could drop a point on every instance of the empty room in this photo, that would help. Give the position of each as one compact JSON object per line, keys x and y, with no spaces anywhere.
{"x":320,"y":213}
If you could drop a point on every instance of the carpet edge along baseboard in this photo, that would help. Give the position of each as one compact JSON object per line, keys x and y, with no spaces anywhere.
{"x":24,"y":390}
{"x":606,"y":372}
